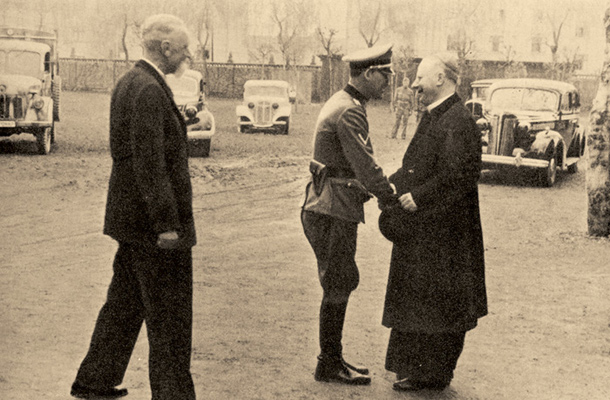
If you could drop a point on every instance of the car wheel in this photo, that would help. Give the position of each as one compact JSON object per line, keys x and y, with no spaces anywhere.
{"x":572,"y":169}
{"x":43,"y":141}
{"x":286,"y":127}
{"x":548,"y":175}
{"x":200,"y":147}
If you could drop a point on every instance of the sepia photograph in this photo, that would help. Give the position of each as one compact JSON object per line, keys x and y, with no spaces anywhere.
{"x":305,"y":199}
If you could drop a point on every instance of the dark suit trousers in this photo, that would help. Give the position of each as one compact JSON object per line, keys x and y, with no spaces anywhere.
{"x":153,"y":286}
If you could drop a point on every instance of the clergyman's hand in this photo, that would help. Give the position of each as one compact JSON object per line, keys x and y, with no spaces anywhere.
{"x":407,"y":202}
{"x":168,"y":240}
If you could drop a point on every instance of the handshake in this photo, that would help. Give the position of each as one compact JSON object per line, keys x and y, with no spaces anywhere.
{"x":405,"y":201}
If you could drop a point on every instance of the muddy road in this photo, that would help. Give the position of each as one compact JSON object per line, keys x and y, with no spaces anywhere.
{"x":256,"y":294}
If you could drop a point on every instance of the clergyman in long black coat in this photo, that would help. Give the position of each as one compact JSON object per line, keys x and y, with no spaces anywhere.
{"x":436,"y":288}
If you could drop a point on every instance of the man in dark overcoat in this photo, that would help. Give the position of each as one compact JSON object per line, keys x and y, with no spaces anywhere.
{"x":436,"y":288}
{"x":149,"y":213}
{"x":344,"y":172}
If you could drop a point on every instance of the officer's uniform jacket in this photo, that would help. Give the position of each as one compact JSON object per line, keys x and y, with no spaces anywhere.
{"x":343,"y":145}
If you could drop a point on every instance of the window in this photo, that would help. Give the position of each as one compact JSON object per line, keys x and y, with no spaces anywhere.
{"x":536,"y":44}
{"x":496,"y":42}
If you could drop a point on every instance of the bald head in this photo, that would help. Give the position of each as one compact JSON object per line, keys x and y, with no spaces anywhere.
{"x":436,"y":78}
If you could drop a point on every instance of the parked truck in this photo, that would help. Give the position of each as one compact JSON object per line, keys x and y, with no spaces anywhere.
{"x":30,"y":85}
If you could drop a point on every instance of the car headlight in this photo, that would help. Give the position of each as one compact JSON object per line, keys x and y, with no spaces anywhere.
{"x":34,"y":89}
{"x":483,"y":125}
{"x":190,"y":112}
{"x":2,"y":89}
{"x":275,"y":106}
{"x":38,"y":104}
{"x":250,"y":105}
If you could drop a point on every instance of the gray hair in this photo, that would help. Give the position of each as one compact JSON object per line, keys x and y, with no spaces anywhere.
{"x":158,"y":28}
{"x":449,"y":64}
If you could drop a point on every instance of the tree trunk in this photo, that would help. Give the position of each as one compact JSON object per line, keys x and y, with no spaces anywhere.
{"x":598,"y":151}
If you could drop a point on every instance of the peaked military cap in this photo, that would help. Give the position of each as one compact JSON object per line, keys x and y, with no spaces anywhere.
{"x":376,"y":56}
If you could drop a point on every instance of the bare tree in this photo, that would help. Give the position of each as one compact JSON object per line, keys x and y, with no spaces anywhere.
{"x":262,"y":54}
{"x":369,"y":22}
{"x":598,"y":150}
{"x":327,"y":38}
{"x":292,"y":18}
{"x":556,"y":28}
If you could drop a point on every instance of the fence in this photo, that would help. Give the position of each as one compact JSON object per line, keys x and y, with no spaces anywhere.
{"x":312,"y":83}
{"x":223,"y":79}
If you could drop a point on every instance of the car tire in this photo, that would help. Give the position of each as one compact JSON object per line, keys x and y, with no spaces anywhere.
{"x":200,"y":147}
{"x":286,"y":127}
{"x":44,"y":141}
{"x":572,"y":169}
{"x":548,"y":175}
{"x":55,"y":95}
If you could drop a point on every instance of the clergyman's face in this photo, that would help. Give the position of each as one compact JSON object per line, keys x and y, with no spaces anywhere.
{"x":427,"y":82}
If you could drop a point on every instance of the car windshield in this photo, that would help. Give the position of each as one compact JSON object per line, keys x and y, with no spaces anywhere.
{"x":20,"y":63}
{"x":266,"y":91}
{"x":185,"y":86}
{"x":525,"y":99}
{"x":479,"y":92}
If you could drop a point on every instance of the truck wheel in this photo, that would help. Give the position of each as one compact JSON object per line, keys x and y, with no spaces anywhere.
{"x":55,"y":95}
{"x":200,"y":147}
{"x":43,"y":141}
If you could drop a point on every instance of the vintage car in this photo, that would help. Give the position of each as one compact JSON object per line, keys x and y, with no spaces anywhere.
{"x":29,"y":85}
{"x":476,"y":104}
{"x":532,"y":124}
{"x":190,"y":99}
{"x":266,"y":107}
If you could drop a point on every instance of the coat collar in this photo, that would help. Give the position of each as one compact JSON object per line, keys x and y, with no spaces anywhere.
{"x":352,"y":91}
{"x":161,"y":80}
{"x":445,"y":105}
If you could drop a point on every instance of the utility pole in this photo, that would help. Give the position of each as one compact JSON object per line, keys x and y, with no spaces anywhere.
{"x":598,"y":150}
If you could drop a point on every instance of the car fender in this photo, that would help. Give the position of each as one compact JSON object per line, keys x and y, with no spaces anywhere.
{"x":283,"y":111}
{"x":244,"y":111}
{"x":203,"y":117}
{"x":45,"y":114}
{"x":544,"y":139}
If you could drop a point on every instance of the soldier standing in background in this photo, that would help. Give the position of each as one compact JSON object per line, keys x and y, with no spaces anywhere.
{"x":402,"y":106}
{"x":344,"y":173}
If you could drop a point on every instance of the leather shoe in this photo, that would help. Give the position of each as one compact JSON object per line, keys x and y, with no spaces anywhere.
{"x":83,"y":392}
{"x":410,"y":385}
{"x":358,"y":368}
{"x":336,"y":371}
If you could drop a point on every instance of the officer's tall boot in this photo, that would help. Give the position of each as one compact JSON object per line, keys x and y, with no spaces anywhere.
{"x":331,"y":366}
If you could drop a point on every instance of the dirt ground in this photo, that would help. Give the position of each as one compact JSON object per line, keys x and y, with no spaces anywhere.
{"x":256,"y":296}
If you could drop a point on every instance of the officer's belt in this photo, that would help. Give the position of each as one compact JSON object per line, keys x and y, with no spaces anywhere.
{"x":334,"y":172}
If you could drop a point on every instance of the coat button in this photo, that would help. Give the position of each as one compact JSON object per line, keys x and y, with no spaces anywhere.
{"x":410,"y":171}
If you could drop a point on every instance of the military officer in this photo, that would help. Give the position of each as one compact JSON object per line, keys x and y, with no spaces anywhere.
{"x":344,"y":175}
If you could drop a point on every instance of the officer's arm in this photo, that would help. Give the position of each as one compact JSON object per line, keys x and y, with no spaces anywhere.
{"x":353,"y":133}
